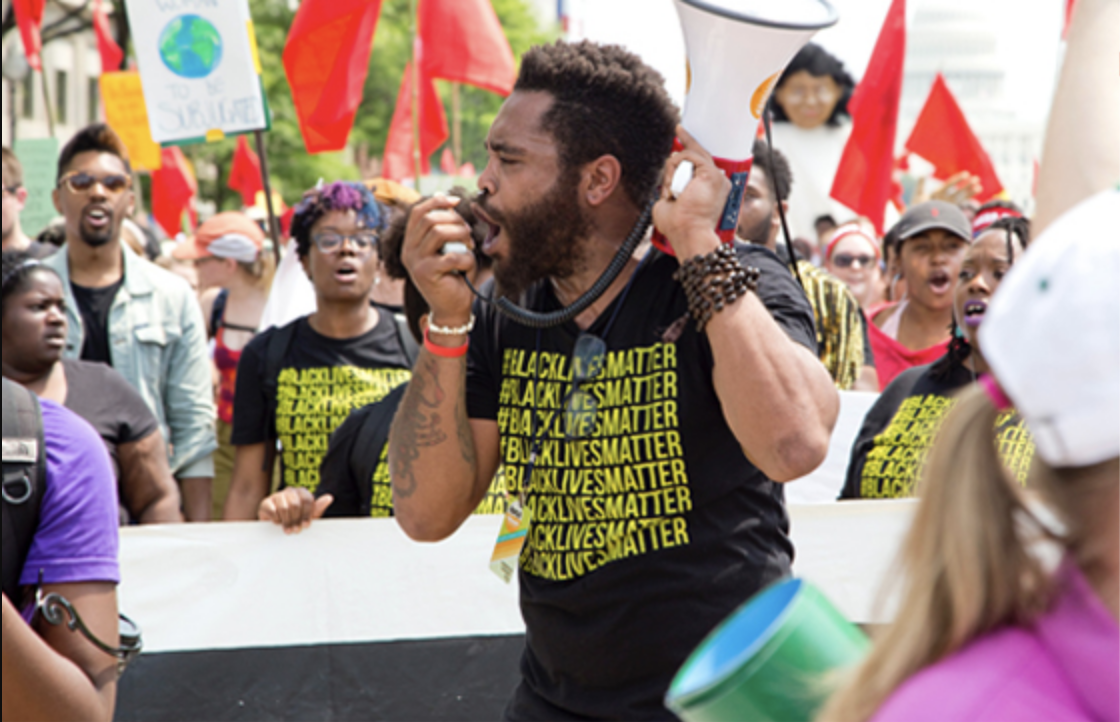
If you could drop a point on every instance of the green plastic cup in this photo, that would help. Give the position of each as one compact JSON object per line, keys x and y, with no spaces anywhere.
{"x":770,"y":661}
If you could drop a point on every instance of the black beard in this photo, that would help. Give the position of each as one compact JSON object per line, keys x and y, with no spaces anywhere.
{"x":97,"y":240}
{"x":759,"y":234}
{"x":545,"y":239}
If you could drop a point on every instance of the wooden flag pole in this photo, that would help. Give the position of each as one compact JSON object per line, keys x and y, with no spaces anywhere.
{"x":273,"y":222}
{"x":416,"y":164}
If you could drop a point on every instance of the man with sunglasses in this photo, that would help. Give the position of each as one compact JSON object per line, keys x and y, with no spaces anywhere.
{"x":15,"y":197}
{"x":130,"y":314}
{"x":642,"y":443}
{"x":842,"y":335}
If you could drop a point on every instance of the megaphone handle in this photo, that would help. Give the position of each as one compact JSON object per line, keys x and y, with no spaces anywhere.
{"x":737,"y":171}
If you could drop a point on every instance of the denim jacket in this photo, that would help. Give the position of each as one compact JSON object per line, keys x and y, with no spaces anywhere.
{"x":157,"y":341}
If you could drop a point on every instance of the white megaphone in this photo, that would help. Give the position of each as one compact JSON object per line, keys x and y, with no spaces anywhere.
{"x":737,"y":50}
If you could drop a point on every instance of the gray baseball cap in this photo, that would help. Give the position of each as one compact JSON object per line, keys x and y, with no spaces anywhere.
{"x":930,"y":215}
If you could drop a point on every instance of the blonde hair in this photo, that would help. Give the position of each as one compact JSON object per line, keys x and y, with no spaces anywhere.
{"x":966,"y":563}
{"x":262,"y":270}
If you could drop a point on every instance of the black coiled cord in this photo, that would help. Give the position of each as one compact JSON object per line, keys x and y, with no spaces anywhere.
{"x":536,"y":319}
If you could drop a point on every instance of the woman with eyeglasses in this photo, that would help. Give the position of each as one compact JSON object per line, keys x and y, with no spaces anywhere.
{"x":296,"y":384}
{"x":811,"y":126}
{"x":898,"y":431}
{"x":853,"y":256}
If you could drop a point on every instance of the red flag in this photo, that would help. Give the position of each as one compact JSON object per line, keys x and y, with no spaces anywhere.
{"x":433,"y":129}
{"x":173,"y":187}
{"x":465,"y":43}
{"x":447,"y":162}
{"x":467,"y":171}
{"x":111,"y":54}
{"x":29,"y":17}
{"x":245,"y":173}
{"x":1069,"y":17}
{"x":326,"y":59}
{"x":864,"y":177}
{"x":941,"y":135}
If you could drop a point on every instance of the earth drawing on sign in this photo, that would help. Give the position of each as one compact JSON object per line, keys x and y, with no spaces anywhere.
{"x":190,"y":46}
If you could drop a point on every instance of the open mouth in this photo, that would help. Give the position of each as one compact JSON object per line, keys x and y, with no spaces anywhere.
{"x":346,"y":274}
{"x":939,"y":282}
{"x":97,"y":217}
{"x":974,"y":312}
{"x":494,"y":232}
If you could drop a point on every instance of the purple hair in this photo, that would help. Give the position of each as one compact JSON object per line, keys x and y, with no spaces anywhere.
{"x":337,"y":196}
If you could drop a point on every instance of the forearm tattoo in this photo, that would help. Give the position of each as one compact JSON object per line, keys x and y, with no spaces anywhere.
{"x":417,"y":426}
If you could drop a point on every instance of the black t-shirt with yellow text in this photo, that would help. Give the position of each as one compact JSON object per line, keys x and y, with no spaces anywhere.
{"x":321,"y":380}
{"x":650,"y":531}
{"x":891,"y":449}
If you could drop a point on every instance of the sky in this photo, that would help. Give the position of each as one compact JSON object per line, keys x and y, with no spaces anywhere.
{"x":1027,"y":41}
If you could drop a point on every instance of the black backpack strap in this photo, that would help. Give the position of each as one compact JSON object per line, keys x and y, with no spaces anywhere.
{"x":370,"y":441}
{"x":25,"y":478}
{"x":404,"y":334}
{"x":218,"y":311}
{"x":279,"y":343}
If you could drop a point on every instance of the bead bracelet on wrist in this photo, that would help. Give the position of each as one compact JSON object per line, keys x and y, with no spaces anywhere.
{"x":714,"y":281}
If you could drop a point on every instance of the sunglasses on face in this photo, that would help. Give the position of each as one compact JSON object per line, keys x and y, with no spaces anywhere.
{"x":845,"y":260}
{"x":11,"y":190}
{"x":82,"y":182}
{"x":332,"y":242}
{"x":581,"y":407}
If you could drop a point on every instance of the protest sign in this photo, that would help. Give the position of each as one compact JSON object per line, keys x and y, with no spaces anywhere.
{"x":123,"y":100}
{"x":199,"y":68}
{"x":39,"y":159}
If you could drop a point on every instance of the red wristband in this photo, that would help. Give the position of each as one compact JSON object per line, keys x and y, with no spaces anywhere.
{"x":444,"y":351}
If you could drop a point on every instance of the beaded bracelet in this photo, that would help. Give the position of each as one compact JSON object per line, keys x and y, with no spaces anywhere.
{"x":713,"y":282}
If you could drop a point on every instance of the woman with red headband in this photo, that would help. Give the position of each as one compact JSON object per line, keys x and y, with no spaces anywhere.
{"x":853,"y":256}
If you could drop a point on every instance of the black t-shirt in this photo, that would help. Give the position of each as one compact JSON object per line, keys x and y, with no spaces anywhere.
{"x":321,"y":380}
{"x":890,"y":451}
{"x":103,"y":397}
{"x":647,"y":534}
{"x":94,"y":305}
{"x":356,"y":468}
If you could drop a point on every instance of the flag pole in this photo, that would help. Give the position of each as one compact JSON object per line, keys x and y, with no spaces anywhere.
{"x":456,"y":126}
{"x":415,"y":90}
{"x":273,"y":223}
{"x":46,"y":98}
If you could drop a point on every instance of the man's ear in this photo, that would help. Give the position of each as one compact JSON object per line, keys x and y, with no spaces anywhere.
{"x":600,"y":178}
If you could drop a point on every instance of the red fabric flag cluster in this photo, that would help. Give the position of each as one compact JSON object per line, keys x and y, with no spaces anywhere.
{"x":464,"y":43}
{"x":326,"y":59}
{"x":111,"y":54}
{"x":864,"y":177}
{"x":29,"y":18}
{"x":173,"y":187}
{"x":398,"y":162}
{"x":461,"y":41}
{"x":245,"y":173}
{"x":942,"y":136}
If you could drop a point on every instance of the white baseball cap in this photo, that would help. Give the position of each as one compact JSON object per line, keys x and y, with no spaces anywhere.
{"x":1052,"y":335}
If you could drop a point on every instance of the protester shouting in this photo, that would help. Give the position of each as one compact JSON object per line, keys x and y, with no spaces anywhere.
{"x":647,"y":462}
{"x":128,"y":313}
{"x":236,"y":273}
{"x":896,"y":435}
{"x":988,"y":627}
{"x":297,"y":383}
{"x":930,"y":241}
{"x":34,"y":336}
{"x":354,"y":478}
{"x":841,"y":327}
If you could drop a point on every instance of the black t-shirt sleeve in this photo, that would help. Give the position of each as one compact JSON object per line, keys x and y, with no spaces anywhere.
{"x":108,"y":402}
{"x":483,"y":371}
{"x":250,"y":406}
{"x":780,"y":293}
{"x":877,"y":419}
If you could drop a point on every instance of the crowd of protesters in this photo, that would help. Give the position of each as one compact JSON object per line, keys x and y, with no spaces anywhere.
{"x":401,"y":393}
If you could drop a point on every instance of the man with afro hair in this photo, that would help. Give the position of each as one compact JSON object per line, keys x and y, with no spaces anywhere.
{"x":643,"y":443}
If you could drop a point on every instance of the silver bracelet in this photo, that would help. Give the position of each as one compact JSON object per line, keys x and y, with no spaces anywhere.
{"x":451,"y":331}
